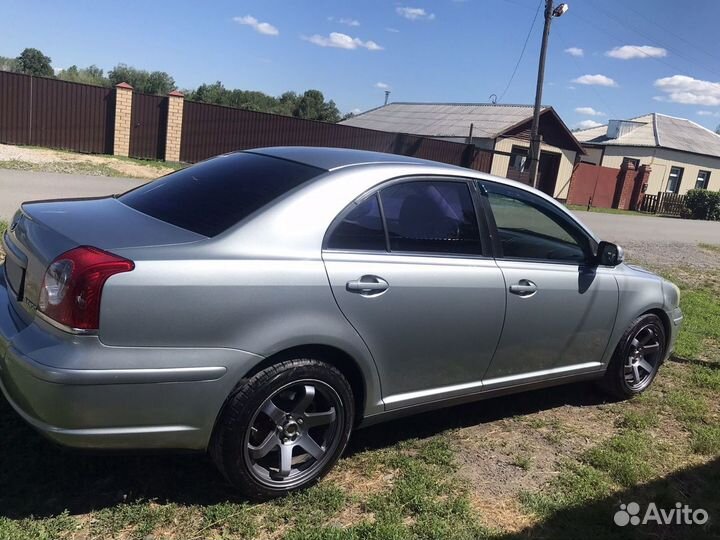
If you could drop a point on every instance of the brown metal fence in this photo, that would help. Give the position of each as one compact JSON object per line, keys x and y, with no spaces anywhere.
{"x":56,"y":114}
{"x":148,"y":126}
{"x":670,"y":204}
{"x":59,"y":114}
{"x":209,"y":130}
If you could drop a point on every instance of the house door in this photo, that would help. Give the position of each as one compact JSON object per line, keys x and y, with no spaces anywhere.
{"x":548,"y":171}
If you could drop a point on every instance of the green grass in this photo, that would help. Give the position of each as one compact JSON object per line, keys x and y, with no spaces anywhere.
{"x":701,"y":325}
{"x":706,"y":440}
{"x":638,"y":419}
{"x":65,"y":167}
{"x":710,"y":247}
{"x":626,"y":457}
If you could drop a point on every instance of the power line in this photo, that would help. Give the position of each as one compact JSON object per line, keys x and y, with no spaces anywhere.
{"x":522,"y":53}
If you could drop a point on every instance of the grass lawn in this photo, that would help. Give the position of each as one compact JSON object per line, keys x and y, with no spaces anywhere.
{"x":552,"y":463}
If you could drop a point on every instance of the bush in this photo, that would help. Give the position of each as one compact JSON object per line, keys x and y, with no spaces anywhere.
{"x":703,"y":204}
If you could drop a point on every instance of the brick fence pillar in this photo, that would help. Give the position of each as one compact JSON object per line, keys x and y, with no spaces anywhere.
{"x":626,"y":185}
{"x":641,"y":183}
{"x":123,"y":112}
{"x":174,"y":126}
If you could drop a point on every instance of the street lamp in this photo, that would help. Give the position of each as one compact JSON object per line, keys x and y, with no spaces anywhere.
{"x":550,"y":12}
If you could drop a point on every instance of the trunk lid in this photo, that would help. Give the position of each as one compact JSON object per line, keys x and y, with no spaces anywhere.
{"x":40,"y":231}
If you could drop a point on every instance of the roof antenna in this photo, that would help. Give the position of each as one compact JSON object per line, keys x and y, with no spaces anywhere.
{"x":493,"y":98}
{"x":387,"y":95}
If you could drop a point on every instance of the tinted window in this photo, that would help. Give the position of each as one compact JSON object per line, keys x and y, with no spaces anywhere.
{"x":436,"y":217}
{"x":214,"y":195}
{"x":530,"y":228}
{"x":360,"y":229}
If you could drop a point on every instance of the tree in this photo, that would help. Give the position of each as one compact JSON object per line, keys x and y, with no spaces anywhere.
{"x":89,"y":75}
{"x":717,"y":129}
{"x":312,"y":106}
{"x":156,"y":82}
{"x":34,"y":62}
{"x":8,"y":64}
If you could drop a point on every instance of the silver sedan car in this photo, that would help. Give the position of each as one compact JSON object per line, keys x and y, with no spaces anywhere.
{"x":262,"y":304}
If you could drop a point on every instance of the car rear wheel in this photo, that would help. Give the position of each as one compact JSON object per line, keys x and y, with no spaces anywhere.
{"x":284,"y":428}
{"x":637,"y":358}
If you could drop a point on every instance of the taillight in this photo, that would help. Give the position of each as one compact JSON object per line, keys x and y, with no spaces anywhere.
{"x":73,"y":283}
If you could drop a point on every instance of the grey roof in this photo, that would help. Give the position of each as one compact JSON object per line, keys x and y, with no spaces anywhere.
{"x":443,"y":119}
{"x":660,"y":131}
{"x":332,"y":158}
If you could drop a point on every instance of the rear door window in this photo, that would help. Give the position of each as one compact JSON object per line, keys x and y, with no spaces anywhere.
{"x":212,"y":196}
{"x":431,"y":217}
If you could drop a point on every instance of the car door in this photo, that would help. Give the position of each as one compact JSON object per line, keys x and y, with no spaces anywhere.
{"x":561,"y":307}
{"x":410,"y":271}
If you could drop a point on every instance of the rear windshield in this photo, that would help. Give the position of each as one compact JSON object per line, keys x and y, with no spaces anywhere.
{"x":214,"y":195}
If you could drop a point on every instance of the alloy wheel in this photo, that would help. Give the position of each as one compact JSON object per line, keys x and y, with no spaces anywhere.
{"x":643,"y":358}
{"x":294,"y":433}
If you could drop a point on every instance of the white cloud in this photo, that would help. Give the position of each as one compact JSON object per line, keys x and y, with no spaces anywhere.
{"x":342,"y":41}
{"x":627,"y":52}
{"x":597,"y":80}
{"x":587,"y":124}
{"x":575,"y":51}
{"x":687,"y":90}
{"x":261,"y":27}
{"x":345,"y":20}
{"x":708,"y":113}
{"x":588,"y":111}
{"x":356,"y":111}
{"x":382,"y":86}
{"x":393,"y":30}
{"x":414,"y":14}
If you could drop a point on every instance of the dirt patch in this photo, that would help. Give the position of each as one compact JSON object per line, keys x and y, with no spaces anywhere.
{"x":59,"y":161}
{"x":502,"y":459}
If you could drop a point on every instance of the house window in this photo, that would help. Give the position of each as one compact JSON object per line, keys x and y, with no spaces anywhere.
{"x":519,"y":166}
{"x":703,"y":179}
{"x":673,"y":185}
{"x":634,"y":161}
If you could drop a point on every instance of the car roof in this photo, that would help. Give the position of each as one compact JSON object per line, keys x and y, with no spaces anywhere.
{"x":335,"y":158}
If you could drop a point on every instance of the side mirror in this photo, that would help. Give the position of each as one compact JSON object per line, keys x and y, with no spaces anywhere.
{"x":609,"y":254}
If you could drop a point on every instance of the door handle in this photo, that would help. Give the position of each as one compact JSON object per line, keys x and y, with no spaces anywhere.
{"x":524,"y":287}
{"x":368,"y":285}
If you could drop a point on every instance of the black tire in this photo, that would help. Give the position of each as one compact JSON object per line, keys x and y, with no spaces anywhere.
{"x":265,"y":411}
{"x":625,"y":376}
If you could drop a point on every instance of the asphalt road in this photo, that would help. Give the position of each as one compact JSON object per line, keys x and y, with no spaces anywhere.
{"x":633,"y":228}
{"x":17,"y":187}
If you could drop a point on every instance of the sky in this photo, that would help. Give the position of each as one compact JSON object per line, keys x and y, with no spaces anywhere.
{"x":606,"y":59}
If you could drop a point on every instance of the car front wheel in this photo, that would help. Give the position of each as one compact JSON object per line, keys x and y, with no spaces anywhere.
{"x":284,"y":428}
{"x":637,"y":358}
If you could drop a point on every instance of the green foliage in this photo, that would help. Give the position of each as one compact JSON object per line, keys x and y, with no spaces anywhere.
{"x":8,"y":64}
{"x":311,"y":105}
{"x":703,"y":204}
{"x":89,"y":75}
{"x":147,"y":82}
{"x":34,"y":62}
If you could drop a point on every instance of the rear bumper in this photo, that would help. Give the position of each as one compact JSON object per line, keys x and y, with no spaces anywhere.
{"x":171,"y":401}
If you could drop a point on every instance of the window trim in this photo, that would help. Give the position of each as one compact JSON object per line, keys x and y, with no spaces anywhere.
{"x":483,"y":231}
{"x":589,"y":249}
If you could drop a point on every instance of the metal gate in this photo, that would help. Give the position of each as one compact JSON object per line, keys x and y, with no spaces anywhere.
{"x":148,"y":126}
